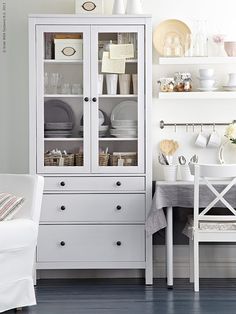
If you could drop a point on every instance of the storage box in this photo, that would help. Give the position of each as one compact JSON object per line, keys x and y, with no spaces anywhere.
{"x":68,"y":49}
{"x":89,"y":7}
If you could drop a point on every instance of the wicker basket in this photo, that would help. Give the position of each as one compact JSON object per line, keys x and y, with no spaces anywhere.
{"x":79,"y":159}
{"x":128,"y":160}
{"x":103,"y":160}
{"x":65,"y":160}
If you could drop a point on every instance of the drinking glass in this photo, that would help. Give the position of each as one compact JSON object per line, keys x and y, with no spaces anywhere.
{"x":46,"y":82}
{"x":55,"y":81}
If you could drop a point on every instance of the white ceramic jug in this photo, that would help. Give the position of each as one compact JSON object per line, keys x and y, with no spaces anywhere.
{"x":134,"y":7}
{"x":118,"y":7}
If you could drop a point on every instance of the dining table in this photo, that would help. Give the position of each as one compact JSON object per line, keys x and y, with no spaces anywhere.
{"x":170,"y":195}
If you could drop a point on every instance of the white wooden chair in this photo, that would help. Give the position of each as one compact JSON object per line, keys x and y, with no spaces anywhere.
{"x":209,"y":227}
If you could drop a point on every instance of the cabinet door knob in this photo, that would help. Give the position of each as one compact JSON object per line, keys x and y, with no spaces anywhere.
{"x":86,"y":99}
{"x":62,"y":243}
{"x":94,"y":99}
{"x":63,"y":207}
{"x":118,"y":243}
{"x":118,"y":183}
{"x":62,"y":183}
{"x":118,"y":207}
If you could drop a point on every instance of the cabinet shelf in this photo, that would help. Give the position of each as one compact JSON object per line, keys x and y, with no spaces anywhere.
{"x":126,"y":61}
{"x":62,"y":96}
{"x":53,"y":61}
{"x":118,"y":96}
{"x":116,"y":139}
{"x":63,"y":139}
{"x":198,"y":95}
{"x":197,"y":60}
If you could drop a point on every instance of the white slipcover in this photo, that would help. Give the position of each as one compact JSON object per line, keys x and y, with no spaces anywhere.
{"x":18,"y":238}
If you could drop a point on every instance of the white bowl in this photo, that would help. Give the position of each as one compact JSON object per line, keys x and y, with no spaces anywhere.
{"x":206,"y":73}
{"x":207,"y":83}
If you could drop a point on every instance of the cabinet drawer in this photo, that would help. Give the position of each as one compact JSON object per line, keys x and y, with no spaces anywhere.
{"x":94,"y":184}
{"x":93,"y":208}
{"x":91,"y":243}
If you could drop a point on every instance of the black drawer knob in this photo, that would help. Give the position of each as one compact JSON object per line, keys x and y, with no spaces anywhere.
{"x":63,"y":243}
{"x":94,"y":99}
{"x":118,"y":243}
{"x":63,"y":207}
{"x":118,"y":183}
{"x":86,"y":99}
{"x":62,"y":183}
{"x":118,"y":207}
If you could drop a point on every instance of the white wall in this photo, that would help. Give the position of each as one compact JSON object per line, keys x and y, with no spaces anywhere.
{"x":14,"y":77}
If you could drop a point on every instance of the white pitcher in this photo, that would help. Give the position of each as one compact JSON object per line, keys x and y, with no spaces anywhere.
{"x":134,"y":7}
{"x":118,"y":7}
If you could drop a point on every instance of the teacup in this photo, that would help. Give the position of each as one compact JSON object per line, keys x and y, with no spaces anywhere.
{"x":202,"y":140}
{"x":206,"y":73}
{"x":232,"y":79}
{"x":208,"y":84}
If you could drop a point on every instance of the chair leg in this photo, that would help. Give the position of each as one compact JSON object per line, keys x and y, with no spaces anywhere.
{"x":191,"y":272}
{"x":196,"y":264}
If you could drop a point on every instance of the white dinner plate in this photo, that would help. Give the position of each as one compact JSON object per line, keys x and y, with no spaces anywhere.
{"x":58,"y":111}
{"x":126,"y":110}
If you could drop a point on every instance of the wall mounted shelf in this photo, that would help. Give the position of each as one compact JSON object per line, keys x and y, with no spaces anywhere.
{"x":197,"y":60}
{"x":198,"y":95}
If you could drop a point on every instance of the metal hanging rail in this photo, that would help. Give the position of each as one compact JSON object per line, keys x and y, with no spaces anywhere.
{"x":193,"y":124}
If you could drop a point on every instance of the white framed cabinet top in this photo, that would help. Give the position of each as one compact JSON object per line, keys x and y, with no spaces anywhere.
{"x":90,"y":94}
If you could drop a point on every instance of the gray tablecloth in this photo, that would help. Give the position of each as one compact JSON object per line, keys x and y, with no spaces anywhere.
{"x":179,"y":194}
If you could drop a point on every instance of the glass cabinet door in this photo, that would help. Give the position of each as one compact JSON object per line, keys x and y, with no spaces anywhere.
{"x":63,"y":107}
{"x":117,"y":107}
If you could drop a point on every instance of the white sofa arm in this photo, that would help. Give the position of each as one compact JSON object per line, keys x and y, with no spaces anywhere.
{"x":17,"y":233}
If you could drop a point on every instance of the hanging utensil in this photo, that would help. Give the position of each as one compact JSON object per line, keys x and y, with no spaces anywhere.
{"x":194,"y":159}
{"x":165,"y":159}
{"x":161,"y":160}
{"x":182,"y":160}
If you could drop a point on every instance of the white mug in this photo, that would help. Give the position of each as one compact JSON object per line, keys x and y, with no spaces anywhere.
{"x":135,"y":83}
{"x":124,"y":83}
{"x":214,"y":140}
{"x":100,"y":84}
{"x":111,"y":80}
{"x":202,"y":139}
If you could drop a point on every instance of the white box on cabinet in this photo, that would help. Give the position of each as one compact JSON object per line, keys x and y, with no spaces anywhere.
{"x":84,"y":6}
{"x":68,"y":49}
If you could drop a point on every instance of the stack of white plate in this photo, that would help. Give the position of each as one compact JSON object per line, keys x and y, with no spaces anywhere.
{"x":59,"y":119}
{"x":102,"y":130}
{"x":124,"y":120}
{"x":124,"y":128}
{"x":58,"y":129}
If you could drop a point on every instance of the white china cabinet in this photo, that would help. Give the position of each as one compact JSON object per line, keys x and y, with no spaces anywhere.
{"x":91,"y":141}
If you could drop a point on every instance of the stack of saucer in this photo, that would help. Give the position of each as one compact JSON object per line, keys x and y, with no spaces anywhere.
{"x":206,"y":80}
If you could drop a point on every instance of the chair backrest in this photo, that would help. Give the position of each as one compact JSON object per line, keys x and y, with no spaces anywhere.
{"x":204,"y":174}
{"x":28,"y":186}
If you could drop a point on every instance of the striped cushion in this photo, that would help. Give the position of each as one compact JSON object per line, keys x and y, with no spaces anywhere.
{"x":9,"y":205}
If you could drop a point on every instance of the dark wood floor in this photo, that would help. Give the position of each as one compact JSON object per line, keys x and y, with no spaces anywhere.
{"x":133,"y":297}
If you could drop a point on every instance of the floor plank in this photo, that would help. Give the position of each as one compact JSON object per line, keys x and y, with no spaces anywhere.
{"x":112,"y":296}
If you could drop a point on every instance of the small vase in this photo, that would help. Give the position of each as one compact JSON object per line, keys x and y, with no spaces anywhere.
{"x":118,"y":7}
{"x":220,"y":50}
{"x":134,"y":7}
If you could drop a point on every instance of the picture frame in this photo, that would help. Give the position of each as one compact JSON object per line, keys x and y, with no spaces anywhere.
{"x":89,"y":6}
